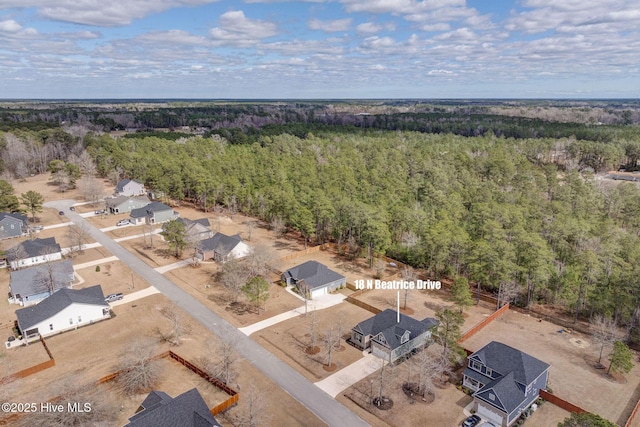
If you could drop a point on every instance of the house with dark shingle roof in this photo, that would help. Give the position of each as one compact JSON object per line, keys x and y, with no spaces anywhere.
{"x":65,"y":310}
{"x":390,"y":336}
{"x":12,"y":225}
{"x":505,"y":381}
{"x":124,"y":204}
{"x":33,"y":284}
{"x":318,"y":278}
{"x":130,"y":187}
{"x":153,"y":213}
{"x":161,"y":410}
{"x":222,"y":248}
{"x":197,"y":229}
{"x":34,"y":252}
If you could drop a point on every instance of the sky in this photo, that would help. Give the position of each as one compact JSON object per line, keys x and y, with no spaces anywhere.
{"x":319,"y":49}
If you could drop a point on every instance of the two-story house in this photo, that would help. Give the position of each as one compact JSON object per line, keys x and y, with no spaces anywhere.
{"x":12,"y":225}
{"x":505,"y":381}
{"x":130,"y":187}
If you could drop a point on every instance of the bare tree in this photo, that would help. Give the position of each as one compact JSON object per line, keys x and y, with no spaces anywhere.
{"x":380,"y":265}
{"x":83,"y":405}
{"x":138,"y":369}
{"x":507,"y":292}
{"x":277,"y":226}
{"x":408,"y":274}
{"x":147,"y":236}
{"x":179,"y":325}
{"x":255,"y":408}
{"x":605,"y":333}
{"x":410,"y":239}
{"x":91,"y":188}
{"x":259,"y":259}
{"x":62,"y":179}
{"x":78,"y":235}
{"x":303,"y":291}
{"x":114,"y":176}
{"x":312,"y":331}
{"x":250,"y":226}
{"x":331,"y":337}
{"x":48,"y":278}
{"x":220,"y":362}
{"x":233,"y":277}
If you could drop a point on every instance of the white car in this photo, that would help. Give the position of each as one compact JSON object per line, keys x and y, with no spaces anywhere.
{"x":123,"y":222}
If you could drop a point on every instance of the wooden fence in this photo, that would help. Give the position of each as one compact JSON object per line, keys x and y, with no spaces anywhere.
{"x":221,"y":407}
{"x":633,"y":415}
{"x":483,"y":323}
{"x":32,"y":369}
{"x":561,"y":403}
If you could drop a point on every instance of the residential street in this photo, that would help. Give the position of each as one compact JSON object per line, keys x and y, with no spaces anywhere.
{"x":316,"y":400}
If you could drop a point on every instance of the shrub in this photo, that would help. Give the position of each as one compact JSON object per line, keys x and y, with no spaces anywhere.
{"x":97,"y":269}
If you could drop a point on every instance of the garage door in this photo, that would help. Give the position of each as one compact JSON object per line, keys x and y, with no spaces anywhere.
{"x":489,"y":415}
{"x":318,"y":292}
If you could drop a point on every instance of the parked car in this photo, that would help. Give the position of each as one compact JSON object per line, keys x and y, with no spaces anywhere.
{"x":37,"y":228}
{"x":60,"y":212}
{"x":114,"y":297}
{"x":472,"y":421}
{"x":100,"y":212}
{"x":71,"y":208}
{"x":123,"y":222}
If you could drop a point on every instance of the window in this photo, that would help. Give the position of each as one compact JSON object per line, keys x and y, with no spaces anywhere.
{"x":476,"y":365}
{"x":529,"y":389}
{"x":71,"y":321}
{"x":492,"y":396}
{"x":489,"y":372}
{"x":51,"y":326}
{"x":79,"y":319}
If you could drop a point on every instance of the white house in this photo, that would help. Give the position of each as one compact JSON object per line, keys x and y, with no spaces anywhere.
{"x":130,"y":187}
{"x":318,"y":278}
{"x":62,"y":311}
{"x":33,"y":252}
{"x":222,"y":248}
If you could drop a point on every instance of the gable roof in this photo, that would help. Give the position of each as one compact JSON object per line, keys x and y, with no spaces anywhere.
{"x":504,"y":359}
{"x":150,"y":210}
{"x":507,"y":396}
{"x":58,"y":301}
{"x":25,"y":282}
{"x":190,"y":223}
{"x":220,"y":243}
{"x":123,"y":182}
{"x":33,"y":248}
{"x":16,"y":216}
{"x":386,"y":324}
{"x":314,"y":274}
{"x":185,"y":410}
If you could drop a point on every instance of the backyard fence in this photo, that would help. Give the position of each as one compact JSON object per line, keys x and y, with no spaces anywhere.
{"x":561,"y":403}
{"x":32,"y":369}
{"x":484,"y":323}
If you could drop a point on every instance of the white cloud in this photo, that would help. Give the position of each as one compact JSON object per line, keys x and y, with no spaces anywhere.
{"x":10,"y":26}
{"x":100,"y":12}
{"x":235,"y":29}
{"x":398,"y":6}
{"x":368,"y":28}
{"x":334,"y":26}
{"x":440,"y":26}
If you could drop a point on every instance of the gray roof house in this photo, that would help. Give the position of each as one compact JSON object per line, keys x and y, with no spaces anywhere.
{"x":33,"y":284}
{"x":505,"y":381}
{"x":153,"y":213}
{"x":12,"y":225}
{"x":222,"y":248}
{"x":161,"y":410}
{"x":318,"y":278}
{"x":197,"y":229}
{"x":391,"y":336}
{"x":124,"y":204}
{"x":33,"y":252}
{"x":66,"y":309}
{"x":130,"y":187}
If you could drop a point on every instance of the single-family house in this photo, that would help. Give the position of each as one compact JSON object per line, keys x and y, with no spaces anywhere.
{"x":222,"y":248}
{"x":185,"y":410}
{"x":392,"y":335}
{"x":32,"y":285}
{"x":317,"y":277}
{"x":153,"y":213}
{"x":64,"y":310}
{"x":197,"y":229}
{"x":505,"y":382}
{"x":125,"y":204}
{"x":130,"y":187}
{"x":12,"y":225}
{"x":33,"y":252}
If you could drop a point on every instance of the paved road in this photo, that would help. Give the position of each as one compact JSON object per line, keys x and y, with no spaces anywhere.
{"x":317,"y":401}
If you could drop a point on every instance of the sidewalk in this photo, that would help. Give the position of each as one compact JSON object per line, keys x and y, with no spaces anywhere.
{"x":96,"y":262}
{"x":325,"y":301}
{"x":178,"y":264}
{"x":350,"y":375}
